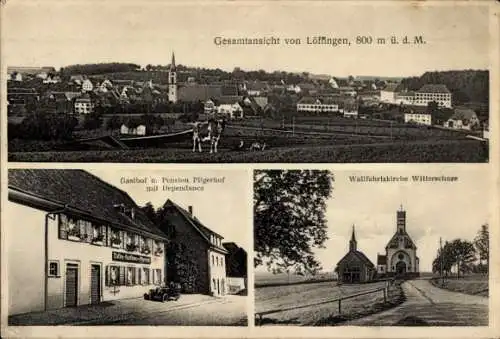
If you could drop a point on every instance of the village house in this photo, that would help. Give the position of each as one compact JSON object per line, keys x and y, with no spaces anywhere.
{"x":405,"y":98}
{"x":417,"y":115}
{"x":317,"y":105}
{"x":84,"y":104}
{"x":87,"y":85}
{"x":388,"y":94}
{"x":203,"y":252}
{"x":236,"y":267}
{"x":355,"y":267}
{"x":400,"y":253}
{"x":139,"y":130}
{"x":462,"y":118}
{"x":433,"y":93}
{"x":349,"y":108}
{"x":82,"y":241}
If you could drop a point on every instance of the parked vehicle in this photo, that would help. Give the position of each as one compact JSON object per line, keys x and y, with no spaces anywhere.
{"x":163,"y":293}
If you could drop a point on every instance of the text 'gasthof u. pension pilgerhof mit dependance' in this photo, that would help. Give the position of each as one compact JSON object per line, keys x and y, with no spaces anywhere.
{"x":173,"y":184}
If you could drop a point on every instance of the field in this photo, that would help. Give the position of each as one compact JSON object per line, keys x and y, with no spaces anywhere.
{"x":279,"y":297}
{"x":310,"y":141}
{"x":266,"y":278}
{"x":476,"y":284}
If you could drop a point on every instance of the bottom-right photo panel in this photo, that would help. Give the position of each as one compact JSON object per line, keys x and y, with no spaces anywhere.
{"x":372,"y":247}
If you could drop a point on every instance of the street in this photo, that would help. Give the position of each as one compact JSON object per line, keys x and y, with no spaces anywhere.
{"x":189,"y":310}
{"x":427,"y":305}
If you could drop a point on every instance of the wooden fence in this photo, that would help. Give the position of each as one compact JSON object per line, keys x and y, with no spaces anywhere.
{"x":384,"y":290}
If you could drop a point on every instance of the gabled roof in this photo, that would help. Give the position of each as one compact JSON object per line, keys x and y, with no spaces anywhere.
{"x":229,"y":99}
{"x":433,"y":88}
{"x":84,"y":192}
{"x":392,"y":88}
{"x":404,"y":235}
{"x":463,"y":113}
{"x":360,"y":255}
{"x":204,"y":231}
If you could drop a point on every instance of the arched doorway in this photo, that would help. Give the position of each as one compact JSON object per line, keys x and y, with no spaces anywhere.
{"x":400,"y":268}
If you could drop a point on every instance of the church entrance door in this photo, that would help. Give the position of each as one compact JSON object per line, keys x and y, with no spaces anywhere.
{"x":400,"y":268}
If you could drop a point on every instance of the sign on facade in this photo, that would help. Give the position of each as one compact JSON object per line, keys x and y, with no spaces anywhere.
{"x":127,"y":257}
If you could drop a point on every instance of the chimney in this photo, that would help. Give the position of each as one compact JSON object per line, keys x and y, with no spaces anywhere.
{"x":190,"y":209}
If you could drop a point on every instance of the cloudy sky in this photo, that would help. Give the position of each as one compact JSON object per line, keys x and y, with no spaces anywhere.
{"x":224,"y":207}
{"x":50,"y":33}
{"x":433,"y":210}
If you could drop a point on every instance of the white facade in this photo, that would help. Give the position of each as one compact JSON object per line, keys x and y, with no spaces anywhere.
{"x":79,"y":271}
{"x":231,"y":110}
{"x":388,"y":97}
{"x":418,"y":118}
{"x":218,"y":283}
{"x":423,"y":99}
{"x":317,"y":106}
{"x":172,"y":82}
{"x":87,"y":85}
{"x":84,"y":106}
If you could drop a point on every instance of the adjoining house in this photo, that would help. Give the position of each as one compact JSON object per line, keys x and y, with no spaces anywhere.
{"x":236,"y":267}
{"x":355,"y":267}
{"x":81,"y":241}
{"x":400,"y":253}
{"x":198,"y":261}
{"x":462,"y":118}
{"x":388,"y":93}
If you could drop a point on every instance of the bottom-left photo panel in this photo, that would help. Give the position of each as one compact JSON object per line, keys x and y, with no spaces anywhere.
{"x":126,"y":247}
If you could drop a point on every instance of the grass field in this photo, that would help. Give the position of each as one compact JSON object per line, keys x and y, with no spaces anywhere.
{"x":476,"y":284}
{"x":266,"y":278}
{"x":272,"y":298}
{"x":404,"y":152}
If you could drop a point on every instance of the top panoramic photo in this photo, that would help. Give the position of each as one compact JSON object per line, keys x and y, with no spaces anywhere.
{"x":248,"y":83}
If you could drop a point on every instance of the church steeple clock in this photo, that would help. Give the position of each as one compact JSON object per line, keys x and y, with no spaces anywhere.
{"x":172,"y":81}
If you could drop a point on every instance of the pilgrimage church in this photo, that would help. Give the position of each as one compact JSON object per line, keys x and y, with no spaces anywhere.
{"x":400,"y":253}
{"x":400,"y":257}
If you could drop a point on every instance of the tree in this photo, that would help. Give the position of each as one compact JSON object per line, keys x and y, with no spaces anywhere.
{"x":289,"y":217}
{"x":481,"y":243}
{"x":464,"y":255}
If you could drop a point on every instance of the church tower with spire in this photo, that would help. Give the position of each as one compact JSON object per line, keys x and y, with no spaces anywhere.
{"x":353,"y":245}
{"x":172,"y":81}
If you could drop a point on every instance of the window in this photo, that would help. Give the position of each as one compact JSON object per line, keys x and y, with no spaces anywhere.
{"x":145,"y":276}
{"x":213,"y":260}
{"x":217,"y":260}
{"x":115,"y":238}
{"x":113,"y":276}
{"x":130,"y":275}
{"x":54,"y":269}
{"x":157,"y":277}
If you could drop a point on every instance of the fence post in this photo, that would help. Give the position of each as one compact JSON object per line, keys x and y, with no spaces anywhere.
{"x":340,"y":309}
{"x":385,"y":295}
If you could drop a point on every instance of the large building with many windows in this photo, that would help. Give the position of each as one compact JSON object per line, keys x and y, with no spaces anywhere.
{"x":73,"y":239}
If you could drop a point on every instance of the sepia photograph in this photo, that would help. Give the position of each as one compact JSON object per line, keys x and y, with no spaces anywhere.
{"x":245,"y":83}
{"x":331,"y":249}
{"x":116,"y":248}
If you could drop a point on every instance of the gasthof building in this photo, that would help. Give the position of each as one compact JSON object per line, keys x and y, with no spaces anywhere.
{"x":73,"y":239}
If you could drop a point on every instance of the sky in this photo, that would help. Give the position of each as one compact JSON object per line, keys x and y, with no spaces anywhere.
{"x":433,"y":210}
{"x":50,"y":33}
{"x":222,"y":207}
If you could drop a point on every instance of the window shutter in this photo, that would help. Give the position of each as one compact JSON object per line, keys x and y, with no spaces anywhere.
{"x":104,"y":232}
{"x":122,"y":237}
{"x":89,"y":231}
{"x":151,"y":276}
{"x":133,"y":275}
{"x":63,"y":226}
{"x":139,"y":276}
{"x":81,"y":225}
{"x":106,"y":277}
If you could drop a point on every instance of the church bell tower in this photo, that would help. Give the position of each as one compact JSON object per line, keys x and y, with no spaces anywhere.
{"x":172,"y":81}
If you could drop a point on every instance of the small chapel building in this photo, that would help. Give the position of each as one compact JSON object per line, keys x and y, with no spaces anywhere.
{"x":400,"y":257}
{"x":355,"y":267}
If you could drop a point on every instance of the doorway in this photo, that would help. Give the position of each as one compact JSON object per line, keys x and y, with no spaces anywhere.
{"x":400,"y":268}
{"x":95,"y":284}
{"x":71,"y":292}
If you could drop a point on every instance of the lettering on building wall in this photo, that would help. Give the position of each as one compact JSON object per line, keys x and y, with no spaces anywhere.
{"x":133,"y":258}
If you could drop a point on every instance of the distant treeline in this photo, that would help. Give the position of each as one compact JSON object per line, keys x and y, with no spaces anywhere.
{"x":92,"y":69}
{"x":465,"y":86}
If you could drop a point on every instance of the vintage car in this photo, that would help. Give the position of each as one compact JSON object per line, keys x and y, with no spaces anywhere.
{"x":163,"y":293}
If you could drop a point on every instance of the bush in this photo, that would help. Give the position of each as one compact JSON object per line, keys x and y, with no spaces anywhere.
{"x":46,"y":127}
{"x":92,"y":121}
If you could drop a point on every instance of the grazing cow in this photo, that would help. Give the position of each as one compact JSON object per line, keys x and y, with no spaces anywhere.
{"x":209,"y":131}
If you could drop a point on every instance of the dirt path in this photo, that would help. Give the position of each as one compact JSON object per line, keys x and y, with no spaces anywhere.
{"x":427,"y":305}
